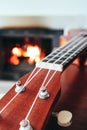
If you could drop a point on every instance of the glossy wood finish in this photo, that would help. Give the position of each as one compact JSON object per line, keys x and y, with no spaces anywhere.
{"x":18,"y":109}
{"x":73,"y":98}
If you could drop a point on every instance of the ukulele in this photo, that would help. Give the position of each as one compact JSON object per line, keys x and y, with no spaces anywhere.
{"x":31,"y":101}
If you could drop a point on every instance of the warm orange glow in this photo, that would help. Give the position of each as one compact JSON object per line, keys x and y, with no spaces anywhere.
{"x":14,"y":60}
{"x":37,"y":59}
{"x":34,"y":53}
{"x":16,"y":51}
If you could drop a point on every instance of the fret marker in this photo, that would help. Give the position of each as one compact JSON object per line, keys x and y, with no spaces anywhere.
{"x":43,"y":93}
{"x":25,"y":125}
{"x":19,"y":87}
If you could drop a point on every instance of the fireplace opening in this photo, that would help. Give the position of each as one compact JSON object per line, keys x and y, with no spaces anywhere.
{"x":19,"y":53}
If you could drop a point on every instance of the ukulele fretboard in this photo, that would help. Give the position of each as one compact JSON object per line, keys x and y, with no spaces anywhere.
{"x":63,"y":56}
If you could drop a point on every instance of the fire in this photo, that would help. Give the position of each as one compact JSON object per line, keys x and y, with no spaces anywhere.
{"x":14,"y":60}
{"x":32,"y":53}
{"x":17,"y":51}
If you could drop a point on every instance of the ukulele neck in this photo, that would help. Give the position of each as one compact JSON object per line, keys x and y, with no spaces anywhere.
{"x":60,"y":58}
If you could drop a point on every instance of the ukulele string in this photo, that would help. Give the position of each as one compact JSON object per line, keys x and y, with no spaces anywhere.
{"x":63,"y":46}
{"x":27,"y":82}
{"x":68,"y":57}
{"x":18,"y":92}
{"x":45,"y":87}
{"x":57,"y":61}
{"x":81,"y":47}
{"x":15,"y":95}
{"x":63,"y":61}
{"x":79,"y":43}
{"x":54,"y":62}
{"x":57,"y":54}
{"x":29,"y":76}
{"x":37,"y":98}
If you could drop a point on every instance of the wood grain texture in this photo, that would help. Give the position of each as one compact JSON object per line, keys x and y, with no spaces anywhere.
{"x":73,"y":98}
{"x":18,"y":109}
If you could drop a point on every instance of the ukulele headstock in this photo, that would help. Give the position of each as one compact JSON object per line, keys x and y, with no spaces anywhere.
{"x":19,"y":103}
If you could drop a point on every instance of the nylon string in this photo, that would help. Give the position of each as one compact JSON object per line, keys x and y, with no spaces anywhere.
{"x":47,"y":83}
{"x":31,"y":77}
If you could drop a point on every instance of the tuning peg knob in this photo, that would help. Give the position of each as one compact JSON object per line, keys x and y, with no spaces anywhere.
{"x":25,"y":125}
{"x":19,"y":87}
{"x":64,"y":118}
{"x":43,"y":93}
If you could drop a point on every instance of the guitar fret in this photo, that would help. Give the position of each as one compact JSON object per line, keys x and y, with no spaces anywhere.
{"x":56,"y":57}
{"x":51,"y":61}
{"x":60,"y":52}
{"x":45,"y":60}
{"x":57,"y":61}
{"x":62,"y":57}
{"x":74,"y":54}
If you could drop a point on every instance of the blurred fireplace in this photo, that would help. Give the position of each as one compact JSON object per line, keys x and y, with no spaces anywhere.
{"x":21,"y":48}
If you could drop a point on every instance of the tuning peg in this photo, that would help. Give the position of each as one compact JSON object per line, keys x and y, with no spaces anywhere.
{"x":25,"y":125}
{"x":19,"y":87}
{"x":43,"y":93}
{"x":64,"y":118}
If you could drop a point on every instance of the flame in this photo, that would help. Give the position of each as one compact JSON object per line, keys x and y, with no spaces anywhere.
{"x":32,"y":53}
{"x":14,"y":60}
{"x":17,"y":51}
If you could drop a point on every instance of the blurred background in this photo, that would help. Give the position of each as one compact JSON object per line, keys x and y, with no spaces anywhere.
{"x":53,"y":14}
{"x":30,"y":30}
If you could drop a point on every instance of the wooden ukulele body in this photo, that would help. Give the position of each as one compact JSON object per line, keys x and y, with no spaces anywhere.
{"x":19,"y":107}
{"x":73,"y":97}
